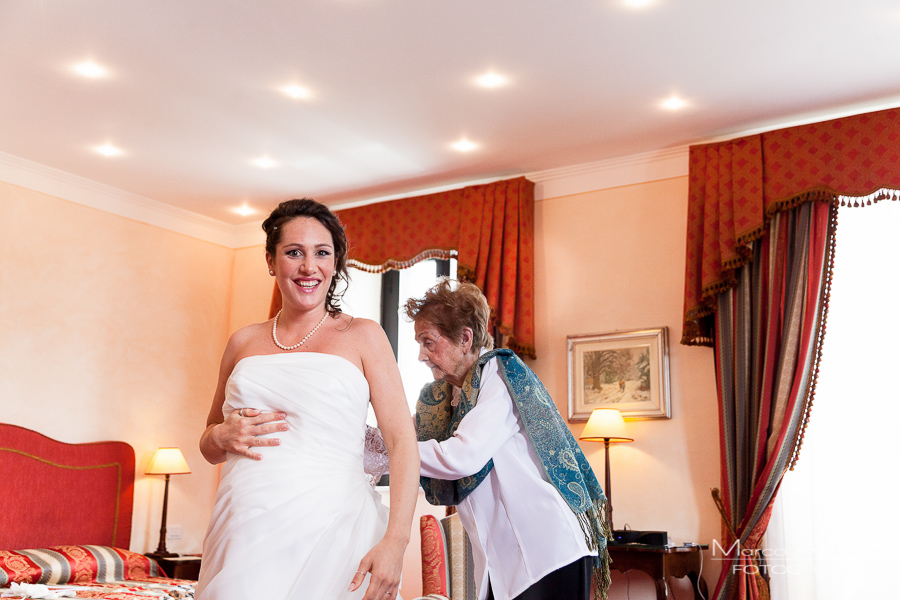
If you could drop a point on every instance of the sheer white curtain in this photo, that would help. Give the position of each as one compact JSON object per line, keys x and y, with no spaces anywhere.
{"x":414,"y":282}
{"x":363,"y":299}
{"x":835,"y":523}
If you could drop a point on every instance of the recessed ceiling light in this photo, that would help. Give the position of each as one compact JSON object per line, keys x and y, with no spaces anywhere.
{"x":673,"y":103}
{"x":90,"y":69}
{"x":244,"y":210}
{"x":639,"y":3}
{"x":265,"y":162}
{"x":492,"y":80}
{"x":464,"y":145}
{"x":297,"y":92}
{"x":108,"y":150}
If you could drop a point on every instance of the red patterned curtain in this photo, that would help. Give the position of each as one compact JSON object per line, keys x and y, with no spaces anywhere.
{"x":737,"y":186}
{"x":760,"y":236}
{"x":490,"y":230}
{"x":768,"y":336}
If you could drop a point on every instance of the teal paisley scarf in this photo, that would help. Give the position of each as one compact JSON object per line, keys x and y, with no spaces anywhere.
{"x":562,"y":459}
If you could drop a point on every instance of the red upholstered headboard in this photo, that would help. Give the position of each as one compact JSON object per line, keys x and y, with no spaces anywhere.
{"x":53,"y":493}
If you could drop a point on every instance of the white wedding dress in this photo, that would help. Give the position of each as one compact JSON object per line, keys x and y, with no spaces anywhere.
{"x":295,"y":524}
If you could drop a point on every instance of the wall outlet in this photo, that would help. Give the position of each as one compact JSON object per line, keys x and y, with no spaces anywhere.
{"x":174,"y":532}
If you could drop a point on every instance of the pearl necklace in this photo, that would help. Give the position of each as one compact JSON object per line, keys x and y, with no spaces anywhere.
{"x":301,"y":342}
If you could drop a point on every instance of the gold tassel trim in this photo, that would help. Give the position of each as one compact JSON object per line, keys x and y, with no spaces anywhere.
{"x":869,"y":199}
{"x":691,"y":335}
{"x":819,"y":343}
{"x":402,"y":264}
{"x":465,"y":273}
{"x":526,"y":350}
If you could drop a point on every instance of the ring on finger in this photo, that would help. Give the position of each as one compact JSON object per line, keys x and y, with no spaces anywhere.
{"x":241,"y":412}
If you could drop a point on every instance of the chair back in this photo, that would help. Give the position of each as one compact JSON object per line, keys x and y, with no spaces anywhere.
{"x":448,"y":568}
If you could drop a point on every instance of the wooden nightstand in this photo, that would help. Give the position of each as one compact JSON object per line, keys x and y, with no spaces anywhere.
{"x":180,"y":567}
{"x":660,"y":563}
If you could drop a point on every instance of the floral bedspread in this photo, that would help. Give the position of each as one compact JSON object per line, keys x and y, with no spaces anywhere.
{"x":153,"y":587}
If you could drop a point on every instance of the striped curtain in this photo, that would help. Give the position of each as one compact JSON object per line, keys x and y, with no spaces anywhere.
{"x":768,"y":334}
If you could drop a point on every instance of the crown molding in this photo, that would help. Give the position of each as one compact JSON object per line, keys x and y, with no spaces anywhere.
{"x":551,"y":183}
{"x":87,"y":192}
{"x":416,"y":192}
{"x":575,"y":179}
{"x":248,"y":234}
{"x":610,"y":173}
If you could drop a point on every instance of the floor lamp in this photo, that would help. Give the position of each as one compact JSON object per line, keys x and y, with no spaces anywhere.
{"x":606,"y":425}
{"x":166,"y":461}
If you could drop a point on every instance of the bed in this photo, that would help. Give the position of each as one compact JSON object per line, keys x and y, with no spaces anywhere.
{"x":65,"y":523}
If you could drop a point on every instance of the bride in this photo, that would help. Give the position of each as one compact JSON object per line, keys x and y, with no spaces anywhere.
{"x":294,"y":516}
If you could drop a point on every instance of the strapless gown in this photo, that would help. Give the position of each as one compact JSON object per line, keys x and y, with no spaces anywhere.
{"x":295,"y":524}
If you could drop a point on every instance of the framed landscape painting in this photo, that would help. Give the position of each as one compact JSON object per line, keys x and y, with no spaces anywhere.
{"x":627,"y":370}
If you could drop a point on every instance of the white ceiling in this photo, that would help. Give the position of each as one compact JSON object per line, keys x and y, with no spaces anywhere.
{"x":192,"y":96}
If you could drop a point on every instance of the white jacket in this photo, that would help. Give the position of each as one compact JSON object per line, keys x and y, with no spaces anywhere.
{"x":520,"y":527}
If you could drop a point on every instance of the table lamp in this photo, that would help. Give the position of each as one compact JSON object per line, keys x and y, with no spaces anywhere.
{"x":166,"y":461}
{"x":606,"y":425}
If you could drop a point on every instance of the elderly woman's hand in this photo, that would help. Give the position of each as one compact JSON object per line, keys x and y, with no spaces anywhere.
{"x":240,"y":434}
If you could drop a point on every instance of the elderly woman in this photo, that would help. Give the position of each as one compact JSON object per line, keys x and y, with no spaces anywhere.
{"x":492,"y":443}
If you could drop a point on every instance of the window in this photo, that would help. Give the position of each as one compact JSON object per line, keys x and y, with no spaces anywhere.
{"x":835,"y":521}
{"x":379,"y":297}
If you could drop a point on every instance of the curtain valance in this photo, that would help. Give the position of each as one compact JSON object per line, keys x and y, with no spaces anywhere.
{"x":490,"y":230}
{"x":736,"y":186}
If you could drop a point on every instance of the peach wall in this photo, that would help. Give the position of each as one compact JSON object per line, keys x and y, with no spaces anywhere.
{"x":251,"y":290}
{"x":613,"y":260}
{"x":112,"y":330}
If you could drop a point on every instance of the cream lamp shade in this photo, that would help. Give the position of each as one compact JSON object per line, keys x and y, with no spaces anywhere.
{"x":605,"y":424}
{"x":167,"y":461}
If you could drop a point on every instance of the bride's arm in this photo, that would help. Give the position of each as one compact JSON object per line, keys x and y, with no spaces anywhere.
{"x":385,"y":561}
{"x":236,"y":434}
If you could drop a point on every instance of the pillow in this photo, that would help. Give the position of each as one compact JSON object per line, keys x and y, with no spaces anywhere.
{"x":61,"y":565}
{"x":434,"y":557}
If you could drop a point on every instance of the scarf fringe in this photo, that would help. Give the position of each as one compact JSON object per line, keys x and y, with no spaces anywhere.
{"x":594,"y":524}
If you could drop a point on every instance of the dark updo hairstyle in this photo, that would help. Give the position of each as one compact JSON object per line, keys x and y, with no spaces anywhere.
{"x":452,"y":310}
{"x":291,"y":209}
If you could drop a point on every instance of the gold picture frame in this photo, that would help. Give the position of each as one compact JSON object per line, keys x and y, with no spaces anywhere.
{"x":627,"y":370}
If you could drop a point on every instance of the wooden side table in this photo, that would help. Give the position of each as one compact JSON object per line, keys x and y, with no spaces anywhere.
{"x":660,"y":563}
{"x":180,"y":567}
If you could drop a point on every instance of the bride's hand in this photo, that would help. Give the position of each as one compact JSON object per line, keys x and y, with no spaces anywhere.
{"x":239,"y":434}
{"x":384,"y":562}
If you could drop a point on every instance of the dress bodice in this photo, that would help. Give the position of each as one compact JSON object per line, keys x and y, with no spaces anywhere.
{"x":321,"y":394}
